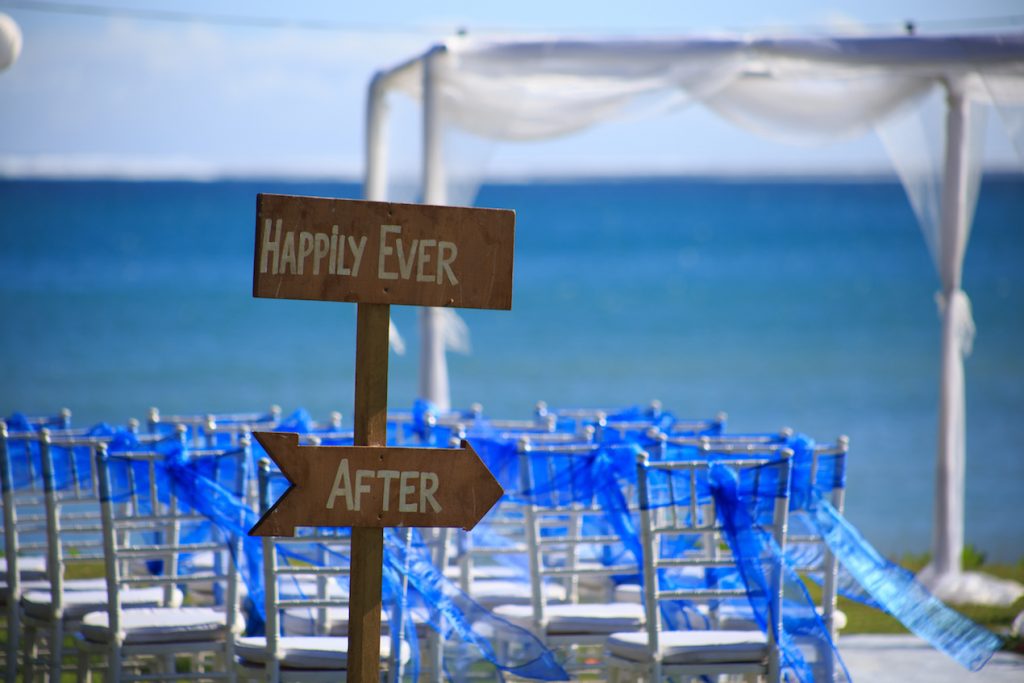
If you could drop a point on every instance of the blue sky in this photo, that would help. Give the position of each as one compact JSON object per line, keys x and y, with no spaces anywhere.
{"x":100,"y":93}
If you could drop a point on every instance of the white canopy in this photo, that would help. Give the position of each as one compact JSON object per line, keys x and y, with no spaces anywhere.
{"x":791,"y":88}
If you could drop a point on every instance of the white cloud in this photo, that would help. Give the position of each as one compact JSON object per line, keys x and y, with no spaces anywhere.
{"x":151,"y":167}
{"x":124,"y":89}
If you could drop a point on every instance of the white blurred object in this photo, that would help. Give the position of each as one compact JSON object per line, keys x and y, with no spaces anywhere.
{"x":10,"y":41}
{"x":1017,"y":630}
{"x":395,"y":339}
{"x":970,"y":587}
{"x":456,"y":332}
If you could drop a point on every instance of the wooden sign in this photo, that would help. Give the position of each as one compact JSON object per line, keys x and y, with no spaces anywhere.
{"x":377,"y":254}
{"x":382,"y":253}
{"x":376,"y":486}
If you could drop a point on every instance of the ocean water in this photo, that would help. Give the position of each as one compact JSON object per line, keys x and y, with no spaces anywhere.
{"x":801,"y":304}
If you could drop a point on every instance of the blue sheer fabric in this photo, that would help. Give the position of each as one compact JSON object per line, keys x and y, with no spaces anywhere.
{"x":744,"y":502}
{"x":606,"y":476}
{"x":452,"y":613}
{"x":895,"y":590}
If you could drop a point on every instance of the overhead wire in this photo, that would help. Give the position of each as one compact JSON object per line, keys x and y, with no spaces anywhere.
{"x":253,"y":21}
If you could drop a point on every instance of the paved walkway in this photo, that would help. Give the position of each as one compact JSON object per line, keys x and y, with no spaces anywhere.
{"x":899,"y":659}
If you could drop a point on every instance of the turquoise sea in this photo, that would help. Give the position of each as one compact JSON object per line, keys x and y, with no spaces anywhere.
{"x":784,"y":303}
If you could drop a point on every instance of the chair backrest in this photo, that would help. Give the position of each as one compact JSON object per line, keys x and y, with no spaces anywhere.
{"x":686,"y":515}
{"x":214,"y":429}
{"x":705,"y":427}
{"x":828,"y":476}
{"x":150,"y":520}
{"x":74,"y":531}
{"x":24,"y":511}
{"x":568,"y":536}
{"x":317,"y":556}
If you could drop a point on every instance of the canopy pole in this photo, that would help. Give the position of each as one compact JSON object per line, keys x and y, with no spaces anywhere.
{"x":433,"y":363}
{"x":948,"y":532}
{"x":375,"y":186}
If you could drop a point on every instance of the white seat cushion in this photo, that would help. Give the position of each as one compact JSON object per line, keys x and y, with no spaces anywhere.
{"x":160,"y":625}
{"x":307,"y":652}
{"x":99,"y":584}
{"x":29,"y":567}
{"x":301,"y":621}
{"x":491,"y":593}
{"x":39,"y":604}
{"x":629,"y":592}
{"x":741,"y":617}
{"x":583,"y":619}
{"x":202,"y":561}
{"x":295,"y":589}
{"x":32,"y":585}
{"x":288,"y":588}
{"x":487,"y":572}
{"x":69,"y":585}
{"x":693,"y":647}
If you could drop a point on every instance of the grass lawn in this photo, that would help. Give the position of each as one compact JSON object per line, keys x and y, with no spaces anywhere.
{"x":860,"y":618}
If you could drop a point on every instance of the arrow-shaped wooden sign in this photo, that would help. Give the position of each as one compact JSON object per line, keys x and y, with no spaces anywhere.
{"x":377,"y":254}
{"x":376,"y":486}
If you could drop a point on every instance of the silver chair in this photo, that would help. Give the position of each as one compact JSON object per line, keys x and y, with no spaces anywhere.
{"x":568,"y":544}
{"x":318,"y":557}
{"x":24,"y":521}
{"x":73,"y":537}
{"x":213,"y":429}
{"x":146,"y":523}
{"x":681,"y":529}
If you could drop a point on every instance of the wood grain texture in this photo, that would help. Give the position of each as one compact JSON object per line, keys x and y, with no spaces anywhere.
{"x":370,"y":423}
{"x":382,"y":252}
{"x":370,"y":406}
{"x":364,"y":605}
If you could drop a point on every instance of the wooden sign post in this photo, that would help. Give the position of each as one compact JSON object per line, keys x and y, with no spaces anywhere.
{"x":377,"y":254}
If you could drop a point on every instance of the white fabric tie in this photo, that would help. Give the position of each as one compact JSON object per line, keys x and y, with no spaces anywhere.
{"x":963,"y":319}
{"x":455,"y":330}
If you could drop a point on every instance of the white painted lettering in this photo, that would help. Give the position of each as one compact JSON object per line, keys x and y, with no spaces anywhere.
{"x":332,"y":259}
{"x":321,"y":246}
{"x":382,"y":272}
{"x":424,"y":258}
{"x":406,"y":490}
{"x":305,"y":248}
{"x":387,"y":476}
{"x":428,"y":487}
{"x":342,"y":487}
{"x":270,"y":245}
{"x":357,"y":253}
{"x":288,"y":253}
{"x":361,"y":487}
{"x":444,"y":260}
{"x":342,"y":268}
{"x":405,"y":260}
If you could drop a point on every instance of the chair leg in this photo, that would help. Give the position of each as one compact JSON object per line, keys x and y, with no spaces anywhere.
{"x":436,"y":645}
{"x":56,"y":649}
{"x":168,"y":666}
{"x":84,"y":671}
{"x":113,"y":665}
{"x":13,"y":636}
{"x":29,"y":653}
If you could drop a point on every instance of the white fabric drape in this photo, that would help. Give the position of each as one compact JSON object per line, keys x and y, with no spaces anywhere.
{"x":801,"y":90}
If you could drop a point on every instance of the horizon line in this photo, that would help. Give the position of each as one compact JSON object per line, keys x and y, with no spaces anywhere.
{"x":105,"y":168}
